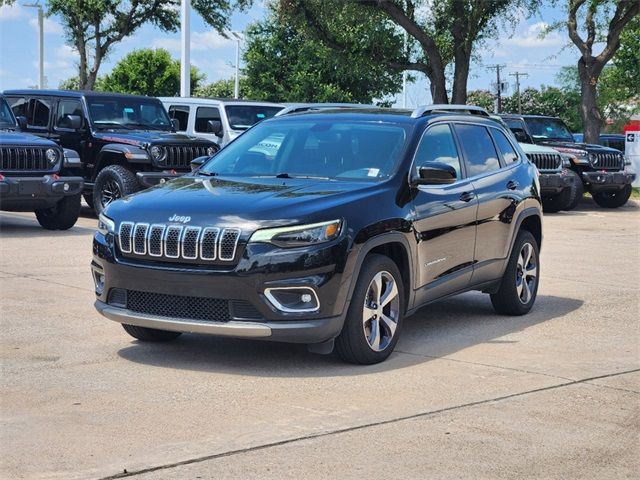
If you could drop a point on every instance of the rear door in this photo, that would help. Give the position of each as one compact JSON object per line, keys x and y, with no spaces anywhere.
{"x":444,"y":219}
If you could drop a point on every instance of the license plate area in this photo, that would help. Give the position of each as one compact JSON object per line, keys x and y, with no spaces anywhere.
{"x":29,"y":188}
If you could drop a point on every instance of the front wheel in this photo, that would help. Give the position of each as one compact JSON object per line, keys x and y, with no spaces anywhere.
{"x":62,"y":216}
{"x":374,"y":318}
{"x":145,"y":334}
{"x":613,"y":199}
{"x":113,"y":182}
{"x":576,"y":191}
{"x":519,"y":285}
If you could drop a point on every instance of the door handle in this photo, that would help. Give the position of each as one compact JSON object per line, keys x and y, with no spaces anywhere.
{"x":467,"y":196}
{"x":512,"y":184}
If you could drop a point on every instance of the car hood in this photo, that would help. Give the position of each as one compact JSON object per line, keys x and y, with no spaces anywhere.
{"x":142,"y":137}
{"x":579,"y":146}
{"x":20,"y":138}
{"x":245,"y":203}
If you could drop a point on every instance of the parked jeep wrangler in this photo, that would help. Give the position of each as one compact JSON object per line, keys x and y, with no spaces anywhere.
{"x":125,"y":142}
{"x":30,"y":178}
{"x":354,"y":220}
{"x":601,"y":169}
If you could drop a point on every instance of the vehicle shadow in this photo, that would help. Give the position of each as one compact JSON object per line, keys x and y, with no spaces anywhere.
{"x":12,"y":226}
{"x":588,"y":205}
{"x":437,"y":330}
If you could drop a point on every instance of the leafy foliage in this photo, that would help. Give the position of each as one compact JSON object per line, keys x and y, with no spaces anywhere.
{"x":148,"y":72}
{"x":221,"y":88}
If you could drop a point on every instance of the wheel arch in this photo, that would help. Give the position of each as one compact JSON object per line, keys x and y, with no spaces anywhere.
{"x":117,"y":154}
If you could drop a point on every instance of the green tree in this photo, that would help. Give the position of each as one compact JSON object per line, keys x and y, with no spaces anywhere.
{"x":221,"y":88}
{"x":439,"y":33}
{"x":148,"y":72}
{"x":93,"y":27}
{"x":285,"y":61}
{"x":590,"y":22}
{"x":481,"y":98}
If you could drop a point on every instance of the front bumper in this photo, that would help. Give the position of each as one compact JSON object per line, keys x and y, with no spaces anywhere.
{"x":603,"y":180}
{"x":553,"y":183}
{"x":37,"y":192}
{"x":151,"y":179}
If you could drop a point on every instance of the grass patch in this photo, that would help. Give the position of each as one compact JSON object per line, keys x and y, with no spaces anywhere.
{"x":635,"y":193}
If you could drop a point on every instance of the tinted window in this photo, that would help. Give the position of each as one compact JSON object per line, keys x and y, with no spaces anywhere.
{"x":480,"y":154}
{"x":6,"y":117}
{"x":549,"y":128}
{"x":66,"y":108}
{"x":19,"y":106}
{"x":180,"y":113}
{"x":39,"y":112}
{"x":327,"y":149}
{"x":438,"y":145}
{"x":509,"y":154}
{"x":242,"y":117}
{"x":203,"y":115}
{"x":125,"y":112}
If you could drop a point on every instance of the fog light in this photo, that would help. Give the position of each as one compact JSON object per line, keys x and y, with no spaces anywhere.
{"x":293,"y":299}
{"x":98,"y":279}
{"x":66,"y":187}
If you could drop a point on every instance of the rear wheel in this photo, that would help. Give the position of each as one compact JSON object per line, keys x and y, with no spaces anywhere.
{"x":113,"y":182}
{"x":374,"y":319}
{"x":575,"y":192}
{"x":555,"y":203}
{"x":62,"y":216}
{"x":613,"y":199}
{"x":519,"y":285}
{"x":145,"y":334}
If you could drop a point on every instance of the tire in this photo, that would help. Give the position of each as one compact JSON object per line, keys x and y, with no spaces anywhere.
{"x":88,"y":197}
{"x":555,"y":203}
{"x":613,"y":199}
{"x":62,"y":216}
{"x":113,"y":182}
{"x":145,"y":334}
{"x":358,"y":342}
{"x":517,"y":292}
{"x":575,"y":192}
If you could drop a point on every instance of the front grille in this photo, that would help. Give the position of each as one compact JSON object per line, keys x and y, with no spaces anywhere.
{"x":24,"y":159}
{"x":546,"y":161}
{"x":178,"y":242}
{"x":180,"y":157}
{"x":177,"y":306}
{"x":606,"y":161}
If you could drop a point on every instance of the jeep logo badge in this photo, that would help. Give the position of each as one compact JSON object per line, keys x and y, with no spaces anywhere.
{"x":178,"y":218}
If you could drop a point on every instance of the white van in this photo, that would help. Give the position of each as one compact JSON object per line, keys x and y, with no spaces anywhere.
{"x":218,"y":120}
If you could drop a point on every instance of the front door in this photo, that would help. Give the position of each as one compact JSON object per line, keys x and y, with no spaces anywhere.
{"x":64,"y":135}
{"x":444,"y":220}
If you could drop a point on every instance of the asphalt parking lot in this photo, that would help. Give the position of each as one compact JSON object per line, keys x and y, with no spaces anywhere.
{"x":468,"y":394}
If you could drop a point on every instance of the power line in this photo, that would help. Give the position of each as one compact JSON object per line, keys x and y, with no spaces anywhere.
{"x":498,"y":85}
{"x":518,"y":75}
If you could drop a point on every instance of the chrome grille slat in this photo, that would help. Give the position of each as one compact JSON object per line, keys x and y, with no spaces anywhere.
{"x":178,"y":242}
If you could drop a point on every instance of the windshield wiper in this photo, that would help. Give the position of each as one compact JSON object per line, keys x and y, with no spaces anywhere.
{"x":286,"y":175}
{"x":105,"y":125}
{"x":206,"y":174}
{"x":150,"y":127}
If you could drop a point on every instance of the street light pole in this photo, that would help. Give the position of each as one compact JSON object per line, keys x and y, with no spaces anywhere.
{"x":236,"y":88}
{"x":40,"y":43}
{"x":185,"y":50}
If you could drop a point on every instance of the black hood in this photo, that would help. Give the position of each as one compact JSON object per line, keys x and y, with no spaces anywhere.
{"x":245,"y":203}
{"x":26,"y":139}
{"x":589,"y":147}
{"x":144,"y":137}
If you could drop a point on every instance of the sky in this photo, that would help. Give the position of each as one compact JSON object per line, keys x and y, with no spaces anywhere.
{"x":518,"y":47}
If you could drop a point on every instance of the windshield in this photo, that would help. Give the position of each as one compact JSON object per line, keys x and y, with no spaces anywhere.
{"x":241,"y":117}
{"x":324,"y":149}
{"x":549,"y":128}
{"x":6,"y":115}
{"x":128,"y":113}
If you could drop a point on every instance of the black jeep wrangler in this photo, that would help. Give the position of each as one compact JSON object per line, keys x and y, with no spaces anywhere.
{"x":601,"y":170}
{"x":30,"y":178}
{"x":349,"y":221}
{"x":125,"y":142}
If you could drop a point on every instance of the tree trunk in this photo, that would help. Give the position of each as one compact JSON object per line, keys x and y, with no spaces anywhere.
{"x":82,"y":65}
{"x":591,"y":118}
{"x":438,"y":86}
{"x":461,"y":76}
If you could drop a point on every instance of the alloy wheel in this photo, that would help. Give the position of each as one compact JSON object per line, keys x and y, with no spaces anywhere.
{"x":110,"y":192}
{"x":526,"y":273}
{"x":381,"y":311}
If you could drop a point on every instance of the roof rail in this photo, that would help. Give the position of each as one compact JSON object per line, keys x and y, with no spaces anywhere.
{"x":448,"y":108}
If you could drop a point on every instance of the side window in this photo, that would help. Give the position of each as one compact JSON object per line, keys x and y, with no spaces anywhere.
{"x":19,"y":106}
{"x":203,"y":115}
{"x":480,"y":154}
{"x":66,"y":108}
{"x":39,"y":109}
{"x":437,"y":145}
{"x":180,"y":113}
{"x":509,"y":155}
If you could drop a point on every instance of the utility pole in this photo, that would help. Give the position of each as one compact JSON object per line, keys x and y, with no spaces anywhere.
{"x":185,"y":49}
{"x":404,"y":75}
{"x":518,"y":75}
{"x":498,"y":86}
{"x":40,"y":43}
{"x":236,"y":88}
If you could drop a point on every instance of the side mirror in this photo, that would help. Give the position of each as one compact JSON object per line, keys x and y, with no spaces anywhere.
{"x":521,"y":136}
{"x":74,"y":122}
{"x":196,"y":163}
{"x":22,"y":122}
{"x":435,"y":173}
{"x":175,"y":124}
{"x":215,"y":127}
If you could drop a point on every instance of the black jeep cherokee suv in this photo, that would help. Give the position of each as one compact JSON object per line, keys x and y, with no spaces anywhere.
{"x":601,"y":169}
{"x":317,"y":227}
{"x":125,"y":142}
{"x":30,"y":178}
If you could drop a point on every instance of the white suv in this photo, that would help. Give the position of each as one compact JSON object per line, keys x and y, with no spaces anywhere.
{"x":218,"y":120}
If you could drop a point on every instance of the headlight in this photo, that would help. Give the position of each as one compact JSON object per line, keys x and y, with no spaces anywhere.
{"x":299,"y":235}
{"x":52,"y":155}
{"x":566,"y":159}
{"x":105,"y":224}
{"x":211,"y":151}
{"x":156,"y":152}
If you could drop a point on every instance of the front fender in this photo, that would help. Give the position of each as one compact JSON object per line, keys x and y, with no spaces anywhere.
{"x":131,"y":153}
